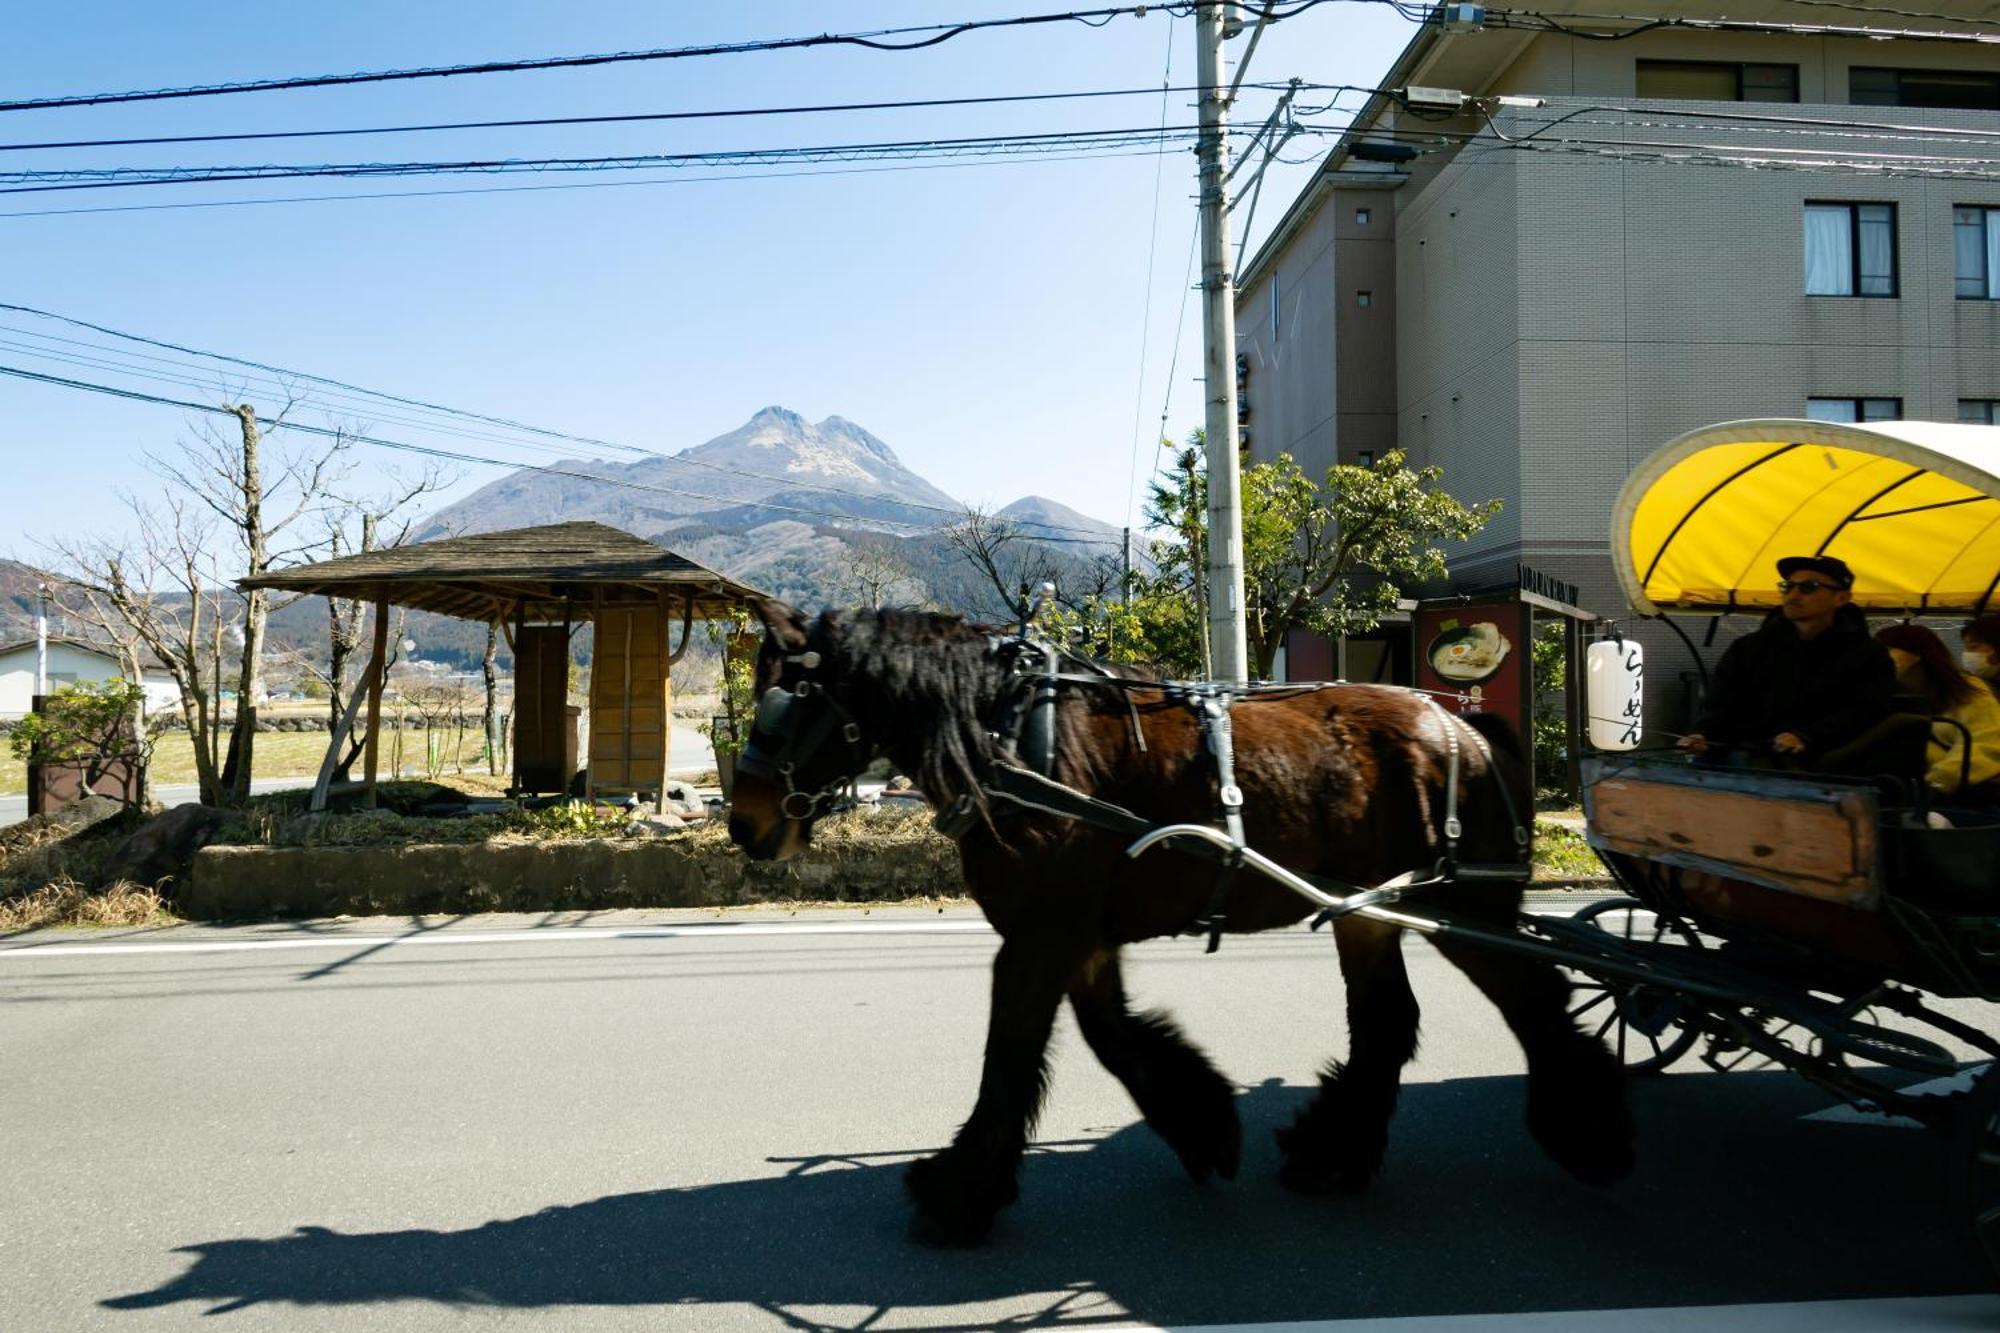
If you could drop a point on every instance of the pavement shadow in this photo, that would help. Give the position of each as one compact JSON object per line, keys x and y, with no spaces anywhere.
{"x":1736,"y":1200}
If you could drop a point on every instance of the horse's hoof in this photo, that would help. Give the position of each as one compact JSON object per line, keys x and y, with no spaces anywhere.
{"x":1209,"y":1141}
{"x":953,"y":1210}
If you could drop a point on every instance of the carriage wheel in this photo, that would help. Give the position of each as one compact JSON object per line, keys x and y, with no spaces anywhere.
{"x":1972,"y":1163}
{"x":1647,"y":1026}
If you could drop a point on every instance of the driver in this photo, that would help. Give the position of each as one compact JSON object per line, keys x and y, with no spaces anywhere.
{"x":1808,"y":680}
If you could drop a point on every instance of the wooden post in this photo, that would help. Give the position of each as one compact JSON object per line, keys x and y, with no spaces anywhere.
{"x":520,"y":637}
{"x":378,"y":667}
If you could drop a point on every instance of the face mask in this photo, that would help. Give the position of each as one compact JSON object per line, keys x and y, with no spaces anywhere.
{"x":1977,"y":663}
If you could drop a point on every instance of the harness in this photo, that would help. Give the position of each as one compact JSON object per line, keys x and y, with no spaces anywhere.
{"x":774,"y":718}
{"x":1024,"y":726}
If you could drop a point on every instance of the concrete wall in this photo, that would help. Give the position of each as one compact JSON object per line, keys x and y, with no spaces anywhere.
{"x":227,"y":882}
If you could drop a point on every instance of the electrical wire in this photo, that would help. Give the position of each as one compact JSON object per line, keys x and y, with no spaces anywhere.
{"x":624,"y":119}
{"x":90,"y":178}
{"x":449,"y":455}
{"x":284,"y":380}
{"x":880,"y":39}
{"x":587,"y":185}
{"x":1146,"y":319}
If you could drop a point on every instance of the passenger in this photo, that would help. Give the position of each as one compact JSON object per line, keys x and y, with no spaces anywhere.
{"x":1982,"y":648}
{"x":1805,"y":682}
{"x":1924,"y":668}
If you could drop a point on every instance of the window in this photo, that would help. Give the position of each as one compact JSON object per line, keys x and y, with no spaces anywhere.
{"x":1850,"y":249}
{"x":1975,"y":246}
{"x":1717,"y":81}
{"x":1364,"y":298}
{"x":1854,"y":409}
{"x":1979,"y":411}
{"x":1362,"y":217}
{"x":1365,"y":458}
{"x":1975,"y":90}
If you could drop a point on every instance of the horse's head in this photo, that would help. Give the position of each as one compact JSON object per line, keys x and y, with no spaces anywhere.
{"x":804,"y":745}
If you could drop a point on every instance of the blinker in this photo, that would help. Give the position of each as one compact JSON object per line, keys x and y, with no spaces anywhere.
{"x":772,"y":710}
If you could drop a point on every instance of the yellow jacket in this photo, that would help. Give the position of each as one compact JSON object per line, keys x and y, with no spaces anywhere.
{"x":1981,"y":716}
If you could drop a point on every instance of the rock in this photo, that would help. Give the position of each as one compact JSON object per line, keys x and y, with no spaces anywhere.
{"x":162,"y":847}
{"x":653,"y":826}
{"x":898,"y":783}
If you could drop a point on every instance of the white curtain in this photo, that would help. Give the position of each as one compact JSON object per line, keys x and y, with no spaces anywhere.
{"x":1829,"y":251}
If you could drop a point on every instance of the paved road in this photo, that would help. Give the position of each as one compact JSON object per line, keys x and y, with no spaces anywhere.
{"x":691,"y":756}
{"x":580,"y":1124}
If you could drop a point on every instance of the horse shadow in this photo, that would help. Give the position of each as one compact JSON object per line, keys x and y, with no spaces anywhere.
{"x":1736,"y":1200}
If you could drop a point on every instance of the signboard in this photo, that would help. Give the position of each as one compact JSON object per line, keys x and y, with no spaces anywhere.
{"x":1476,"y":655}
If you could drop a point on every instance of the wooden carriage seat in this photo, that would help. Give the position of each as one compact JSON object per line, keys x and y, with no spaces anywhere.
{"x":1813,"y":837}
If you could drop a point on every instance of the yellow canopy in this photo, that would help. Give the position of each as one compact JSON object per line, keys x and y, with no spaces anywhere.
{"x":1913,"y":507}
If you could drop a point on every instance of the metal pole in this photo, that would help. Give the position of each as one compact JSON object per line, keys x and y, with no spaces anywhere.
{"x":41,"y":641}
{"x":1226,"y":629}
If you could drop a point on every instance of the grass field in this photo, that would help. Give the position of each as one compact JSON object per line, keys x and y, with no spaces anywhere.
{"x":278,"y":754}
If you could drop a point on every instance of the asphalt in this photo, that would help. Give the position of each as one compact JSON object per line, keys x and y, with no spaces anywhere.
{"x":698,"y":1120}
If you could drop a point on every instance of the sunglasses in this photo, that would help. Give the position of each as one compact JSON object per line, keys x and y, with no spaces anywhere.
{"x":1805,"y":585}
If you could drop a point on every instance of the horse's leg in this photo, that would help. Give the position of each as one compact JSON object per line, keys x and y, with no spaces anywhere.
{"x":958,"y":1191}
{"x":1179,"y":1092}
{"x":1576,"y":1088}
{"x":1337,"y":1141}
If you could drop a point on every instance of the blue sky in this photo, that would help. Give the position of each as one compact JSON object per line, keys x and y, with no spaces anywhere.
{"x":986,"y":320}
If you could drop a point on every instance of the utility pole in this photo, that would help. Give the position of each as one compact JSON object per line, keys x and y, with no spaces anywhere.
{"x":1226,"y":631}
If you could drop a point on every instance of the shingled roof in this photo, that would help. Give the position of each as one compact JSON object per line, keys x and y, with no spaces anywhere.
{"x":536,"y":572}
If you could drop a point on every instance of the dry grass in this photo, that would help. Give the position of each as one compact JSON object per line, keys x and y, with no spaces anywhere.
{"x":64,"y":902}
{"x":278,"y":754}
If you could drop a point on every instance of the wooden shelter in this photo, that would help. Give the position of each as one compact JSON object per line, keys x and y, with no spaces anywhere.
{"x":538,"y":584}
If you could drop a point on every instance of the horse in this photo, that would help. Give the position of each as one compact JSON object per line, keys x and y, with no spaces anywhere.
{"x":1344,"y":781}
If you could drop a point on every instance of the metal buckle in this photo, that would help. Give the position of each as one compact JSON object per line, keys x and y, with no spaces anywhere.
{"x":1232,"y":796}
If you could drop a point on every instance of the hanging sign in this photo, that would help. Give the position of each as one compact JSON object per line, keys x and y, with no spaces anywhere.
{"x":1476,"y":656}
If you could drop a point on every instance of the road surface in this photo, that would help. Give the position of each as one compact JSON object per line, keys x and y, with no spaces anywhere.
{"x":653,"y":1121}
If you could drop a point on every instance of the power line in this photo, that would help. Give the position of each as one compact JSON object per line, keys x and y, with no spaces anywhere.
{"x":93,"y":178}
{"x":881,"y":39}
{"x":587,"y":185}
{"x":284,"y":377}
{"x":623,"y":119}
{"x":456,"y":456}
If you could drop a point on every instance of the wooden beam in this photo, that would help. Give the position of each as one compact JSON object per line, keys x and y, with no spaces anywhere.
{"x":378,"y":667}
{"x":667,"y":696}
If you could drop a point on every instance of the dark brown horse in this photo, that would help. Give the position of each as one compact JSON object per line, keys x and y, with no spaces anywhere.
{"x":1346,"y":782}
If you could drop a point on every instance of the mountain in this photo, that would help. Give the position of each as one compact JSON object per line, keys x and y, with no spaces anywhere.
{"x":776,"y":458}
{"x":20,"y":587}
{"x":818,"y":513}
{"x":1041,"y":516}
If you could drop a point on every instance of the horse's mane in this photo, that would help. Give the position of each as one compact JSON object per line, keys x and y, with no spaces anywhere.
{"x":932,"y":681}
{"x":922,"y":683}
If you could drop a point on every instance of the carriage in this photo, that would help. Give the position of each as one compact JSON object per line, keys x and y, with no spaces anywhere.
{"x":1805,"y":919}
{"x":1812,"y":921}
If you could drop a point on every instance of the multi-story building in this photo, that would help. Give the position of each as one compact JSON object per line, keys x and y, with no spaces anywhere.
{"x":1624,"y":232}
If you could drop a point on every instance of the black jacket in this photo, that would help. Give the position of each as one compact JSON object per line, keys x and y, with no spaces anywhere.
{"x":1826,"y":690}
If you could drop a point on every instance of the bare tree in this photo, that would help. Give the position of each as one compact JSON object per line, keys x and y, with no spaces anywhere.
{"x":875,"y":574}
{"x":163,"y":587}
{"x":354,"y":525}
{"x":1014,"y":562}
{"x":227,"y":473}
{"x":489,"y":667}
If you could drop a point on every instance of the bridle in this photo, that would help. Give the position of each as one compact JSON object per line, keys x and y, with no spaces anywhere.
{"x":798,"y":735}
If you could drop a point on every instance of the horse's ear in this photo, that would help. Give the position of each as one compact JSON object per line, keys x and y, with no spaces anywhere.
{"x":786,"y":623}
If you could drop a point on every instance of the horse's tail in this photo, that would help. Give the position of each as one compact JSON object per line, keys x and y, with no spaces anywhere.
{"x":1511,"y":763}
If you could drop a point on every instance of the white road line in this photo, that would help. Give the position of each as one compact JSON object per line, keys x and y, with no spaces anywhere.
{"x":1958,"y":1314}
{"x":720,"y":930}
{"x":552,"y":935}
